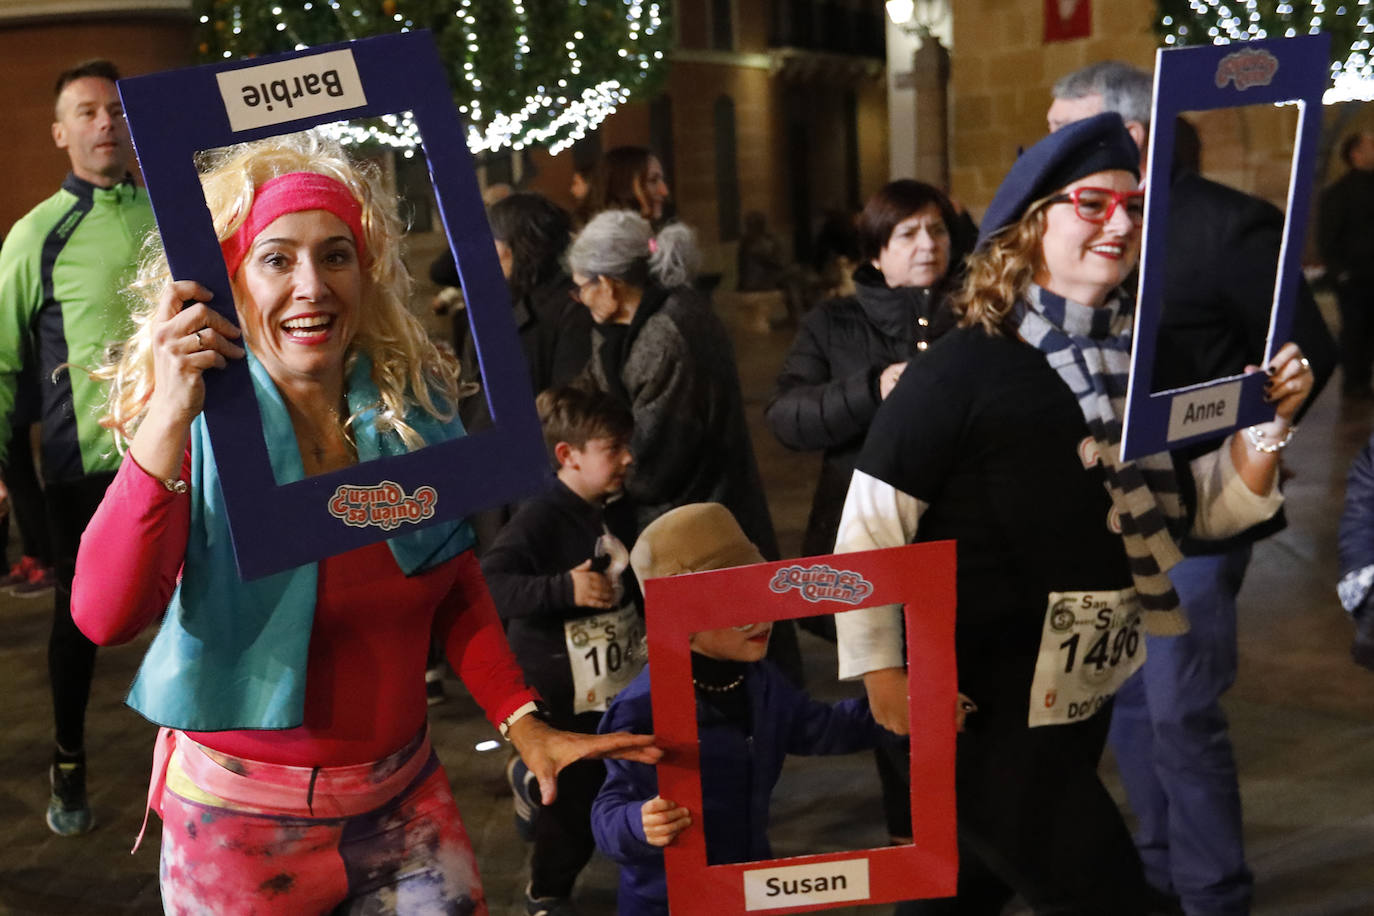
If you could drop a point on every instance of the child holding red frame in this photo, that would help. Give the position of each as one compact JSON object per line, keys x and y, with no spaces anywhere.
{"x":749,"y":718}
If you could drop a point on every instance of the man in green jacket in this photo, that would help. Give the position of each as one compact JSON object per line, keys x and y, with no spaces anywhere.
{"x":63,"y":269}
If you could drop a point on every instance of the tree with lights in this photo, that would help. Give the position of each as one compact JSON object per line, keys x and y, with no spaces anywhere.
{"x":524,"y":72}
{"x":1350,"y":23}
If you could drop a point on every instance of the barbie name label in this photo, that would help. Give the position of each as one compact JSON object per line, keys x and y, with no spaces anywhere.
{"x":291,"y":89}
{"x":822,"y":583}
{"x":385,"y":506}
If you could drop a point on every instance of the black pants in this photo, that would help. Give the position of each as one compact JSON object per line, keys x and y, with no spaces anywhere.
{"x":1035,"y":819}
{"x":28,"y":508}
{"x":71,"y":656}
{"x":563,"y":842}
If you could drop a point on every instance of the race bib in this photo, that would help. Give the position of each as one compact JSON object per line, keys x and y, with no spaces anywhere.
{"x":1091,"y":643}
{"x":605,"y":651}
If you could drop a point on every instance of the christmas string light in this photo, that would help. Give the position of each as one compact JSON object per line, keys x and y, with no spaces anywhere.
{"x":524,"y":72}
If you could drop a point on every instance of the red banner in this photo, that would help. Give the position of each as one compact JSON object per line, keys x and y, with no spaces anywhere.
{"x":1068,"y":19}
{"x":918,"y":576}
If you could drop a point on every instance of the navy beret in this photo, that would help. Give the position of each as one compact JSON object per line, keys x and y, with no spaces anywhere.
{"x":1076,"y":150}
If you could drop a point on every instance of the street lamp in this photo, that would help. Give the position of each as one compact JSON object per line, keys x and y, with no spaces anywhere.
{"x":929,"y":78}
{"x":906,"y":16}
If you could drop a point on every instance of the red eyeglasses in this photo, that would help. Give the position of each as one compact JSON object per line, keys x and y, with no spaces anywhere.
{"x":1096,"y":205}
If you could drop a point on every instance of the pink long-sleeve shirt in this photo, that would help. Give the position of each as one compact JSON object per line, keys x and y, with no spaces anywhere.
{"x":365,"y":691}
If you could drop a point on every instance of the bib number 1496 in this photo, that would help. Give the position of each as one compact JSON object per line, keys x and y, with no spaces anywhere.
{"x":1091,"y":643}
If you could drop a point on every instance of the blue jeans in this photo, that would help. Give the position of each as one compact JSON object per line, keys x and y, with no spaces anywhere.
{"x":1169,"y":737}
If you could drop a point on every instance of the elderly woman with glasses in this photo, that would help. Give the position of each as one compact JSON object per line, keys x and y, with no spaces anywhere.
{"x":1006,"y":438}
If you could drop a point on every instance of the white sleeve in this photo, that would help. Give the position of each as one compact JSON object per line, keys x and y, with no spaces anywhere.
{"x":876,"y":514}
{"x":1225,"y":505}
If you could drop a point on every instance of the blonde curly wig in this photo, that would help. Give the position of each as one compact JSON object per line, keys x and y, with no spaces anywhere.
{"x":408,"y":369}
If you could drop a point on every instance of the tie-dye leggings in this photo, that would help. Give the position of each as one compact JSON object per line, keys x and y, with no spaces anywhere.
{"x":308,"y":849}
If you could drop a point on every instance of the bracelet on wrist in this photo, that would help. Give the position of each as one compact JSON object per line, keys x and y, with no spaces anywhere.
{"x":1260,"y":444}
{"x":531,"y":708}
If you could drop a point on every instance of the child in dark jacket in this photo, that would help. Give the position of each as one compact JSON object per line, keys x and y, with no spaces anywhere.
{"x":749,"y":717}
{"x":555,"y":572}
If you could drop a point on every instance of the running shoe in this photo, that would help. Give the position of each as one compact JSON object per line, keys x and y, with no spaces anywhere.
{"x":69,"y":814}
{"x":39,"y":583}
{"x":547,"y":906}
{"x":19,"y":572}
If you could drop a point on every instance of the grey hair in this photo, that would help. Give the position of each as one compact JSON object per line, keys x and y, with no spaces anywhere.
{"x":1125,"y":89}
{"x":621,"y":244}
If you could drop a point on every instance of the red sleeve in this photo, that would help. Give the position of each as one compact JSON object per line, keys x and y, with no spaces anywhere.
{"x":471,"y":631}
{"x":130,"y":555}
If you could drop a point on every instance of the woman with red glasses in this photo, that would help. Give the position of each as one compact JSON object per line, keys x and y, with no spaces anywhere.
{"x":1006,"y":438}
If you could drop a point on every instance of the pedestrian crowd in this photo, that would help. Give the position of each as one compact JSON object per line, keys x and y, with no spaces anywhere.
{"x":962,"y":381}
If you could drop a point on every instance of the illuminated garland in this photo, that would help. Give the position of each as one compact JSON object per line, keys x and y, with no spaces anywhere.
{"x":524,"y":72}
{"x":1350,"y":22}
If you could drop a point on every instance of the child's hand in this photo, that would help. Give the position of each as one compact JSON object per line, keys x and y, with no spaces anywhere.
{"x":663,"y":820}
{"x":590,"y":589}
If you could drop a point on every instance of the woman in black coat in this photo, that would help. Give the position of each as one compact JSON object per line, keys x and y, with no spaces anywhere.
{"x":850,"y":352}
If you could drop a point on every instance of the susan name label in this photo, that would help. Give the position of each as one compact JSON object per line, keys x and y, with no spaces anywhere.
{"x":1204,"y":410}
{"x":796,"y":885}
{"x":288,"y":90}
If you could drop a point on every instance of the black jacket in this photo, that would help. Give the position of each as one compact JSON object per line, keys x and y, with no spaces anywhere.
{"x":1218,"y":291}
{"x":526,"y":569}
{"x":674,"y":365}
{"x":555,"y":334}
{"x":827,"y":391}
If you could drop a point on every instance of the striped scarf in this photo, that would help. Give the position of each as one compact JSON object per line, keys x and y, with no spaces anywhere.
{"x":1090,"y":348}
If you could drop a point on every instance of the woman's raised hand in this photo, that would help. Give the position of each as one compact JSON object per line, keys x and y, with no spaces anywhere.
{"x":1290,"y":382}
{"x":188,"y":337}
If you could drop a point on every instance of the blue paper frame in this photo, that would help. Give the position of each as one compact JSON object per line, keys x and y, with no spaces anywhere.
{"x":174,"y":115}
{"x":1204,"y":79}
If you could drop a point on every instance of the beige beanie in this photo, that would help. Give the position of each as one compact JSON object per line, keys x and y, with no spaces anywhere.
{"x":691,"y":538}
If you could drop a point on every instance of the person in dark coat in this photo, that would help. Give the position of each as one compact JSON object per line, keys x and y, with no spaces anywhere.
{"x":850,"y":352}
{"x":1345,"y":235}
{"x":847,"y":356}
{"x":659,"y":347}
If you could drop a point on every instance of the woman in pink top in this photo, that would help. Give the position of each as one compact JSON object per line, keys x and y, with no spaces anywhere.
{"x":294,"y":773}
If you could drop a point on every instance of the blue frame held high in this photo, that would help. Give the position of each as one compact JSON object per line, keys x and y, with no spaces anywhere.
{"x":173,"y":116}
{"x":1289,"y":70}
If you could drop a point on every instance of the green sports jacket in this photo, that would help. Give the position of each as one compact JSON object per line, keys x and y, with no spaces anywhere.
{"x":63,"y":270}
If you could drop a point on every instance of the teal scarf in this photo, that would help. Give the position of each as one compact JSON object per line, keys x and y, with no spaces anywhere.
{"x":232,"y":654}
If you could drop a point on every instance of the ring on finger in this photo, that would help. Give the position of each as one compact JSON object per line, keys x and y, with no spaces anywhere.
{"x":200,"y":344}
{"x":1306,"y":366}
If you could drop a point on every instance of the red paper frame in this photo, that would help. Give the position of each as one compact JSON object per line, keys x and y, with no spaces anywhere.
{"x":919,"y":576}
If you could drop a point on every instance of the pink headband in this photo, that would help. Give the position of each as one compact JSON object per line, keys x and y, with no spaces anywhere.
{"x":292,"y":193}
